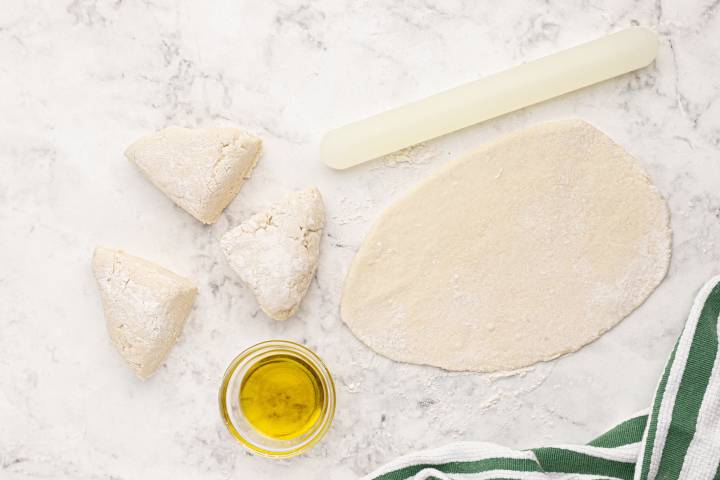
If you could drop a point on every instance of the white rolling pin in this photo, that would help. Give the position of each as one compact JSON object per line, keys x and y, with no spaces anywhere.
{"x":489,"y":97}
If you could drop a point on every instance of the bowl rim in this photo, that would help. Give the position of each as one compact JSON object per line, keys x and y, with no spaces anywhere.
{"x":279,"y":346}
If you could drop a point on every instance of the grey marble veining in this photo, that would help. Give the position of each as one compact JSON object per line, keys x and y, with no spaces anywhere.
{"x":82,"y":79}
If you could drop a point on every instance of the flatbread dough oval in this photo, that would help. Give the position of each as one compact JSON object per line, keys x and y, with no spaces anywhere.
{"x":525,"y":250}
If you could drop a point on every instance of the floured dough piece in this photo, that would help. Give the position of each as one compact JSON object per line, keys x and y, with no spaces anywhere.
{"x":520,"y":252}
{"x":145,"y":307}
{"x":275,"y":253}
{"x":201,"y":170}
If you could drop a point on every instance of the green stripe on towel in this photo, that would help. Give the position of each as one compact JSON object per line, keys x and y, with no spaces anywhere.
{"x":629,"y":431}
{"x":557,"y":460}
{"x":477,"y":466}
{"x":652,"y":427}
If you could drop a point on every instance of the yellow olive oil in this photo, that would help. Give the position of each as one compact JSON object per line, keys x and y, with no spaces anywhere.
{"x":281,"y":397}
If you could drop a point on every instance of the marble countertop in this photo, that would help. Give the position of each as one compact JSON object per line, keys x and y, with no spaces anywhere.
{"x":82,"y":79}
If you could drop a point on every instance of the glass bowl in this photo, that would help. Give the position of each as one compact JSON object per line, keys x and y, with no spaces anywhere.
{"x":235,"y":420}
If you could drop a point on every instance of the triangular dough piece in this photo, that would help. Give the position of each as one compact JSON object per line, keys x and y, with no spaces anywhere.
{"x":145,"y":307}
{"x":275,"y":253}
{"x":201,"y":169}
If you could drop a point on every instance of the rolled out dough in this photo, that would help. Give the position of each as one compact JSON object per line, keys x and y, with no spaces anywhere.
{"x":523,"y":251}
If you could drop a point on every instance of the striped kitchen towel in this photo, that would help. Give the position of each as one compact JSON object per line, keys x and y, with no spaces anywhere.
{"x":678,"y":437}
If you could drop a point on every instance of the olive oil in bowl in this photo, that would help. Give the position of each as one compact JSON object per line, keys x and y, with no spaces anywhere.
{"x":281,"y":396}
{"x":277,"y":398}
